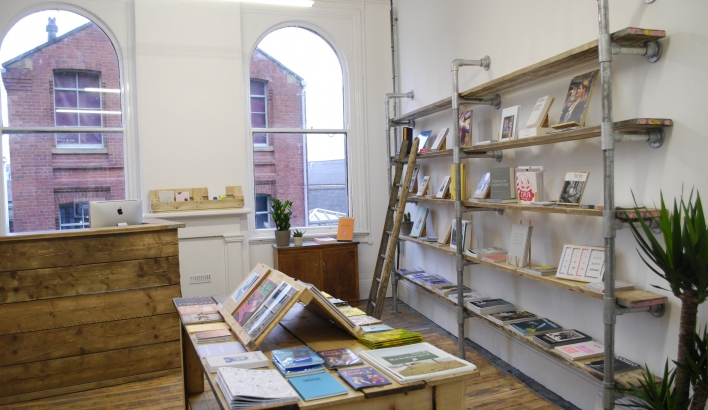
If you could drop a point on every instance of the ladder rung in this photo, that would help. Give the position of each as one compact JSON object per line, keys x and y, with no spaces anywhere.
{"x":372,"y":302}
{"x":393,"y":208}
{"x":378,"y":279}
{"x":382,"y":256}
{"x":387,"y":232}
{"x":398,"y":185}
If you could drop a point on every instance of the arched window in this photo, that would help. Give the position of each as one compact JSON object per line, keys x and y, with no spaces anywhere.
{"x":299,"y":137}
{"x":62,"y":117}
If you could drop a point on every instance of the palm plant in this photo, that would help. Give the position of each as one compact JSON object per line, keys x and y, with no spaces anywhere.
{"x":654,"y":395}
{"x":697,"y":369}
{"x":683,"y":263}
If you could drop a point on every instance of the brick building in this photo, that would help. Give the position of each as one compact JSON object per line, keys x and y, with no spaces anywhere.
{"x":55,"y":175}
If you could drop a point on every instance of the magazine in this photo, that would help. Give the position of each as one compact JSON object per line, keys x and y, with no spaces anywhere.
{"x":342,"y":357}
{"x":265,"y":313}
{"x":246,"y":310}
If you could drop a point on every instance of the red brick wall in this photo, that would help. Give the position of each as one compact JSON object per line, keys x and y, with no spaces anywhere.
{"x":42,"y":180}
{"x":281,"y":172}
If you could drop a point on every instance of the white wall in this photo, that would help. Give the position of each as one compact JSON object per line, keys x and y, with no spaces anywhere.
{"x":517,"y":33}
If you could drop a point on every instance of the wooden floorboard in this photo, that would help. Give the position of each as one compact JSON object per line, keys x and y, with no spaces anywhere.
{"x":494,"y":389}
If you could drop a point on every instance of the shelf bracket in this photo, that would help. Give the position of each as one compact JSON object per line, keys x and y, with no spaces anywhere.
{"x":651,"y":50}
{"x":494,"y":101}
{"x":467,"y":263}
{"x":497,"y":155}
{"x":654,"y":137}
{"x":654,"y":310}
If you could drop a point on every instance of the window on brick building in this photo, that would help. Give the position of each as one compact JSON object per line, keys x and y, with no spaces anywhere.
{"x":77,"y":103}
{"x":74,"y":215}
{"x":299,"y":136}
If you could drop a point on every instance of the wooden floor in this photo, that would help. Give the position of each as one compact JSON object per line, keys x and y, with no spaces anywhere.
{"x":494,"y":389}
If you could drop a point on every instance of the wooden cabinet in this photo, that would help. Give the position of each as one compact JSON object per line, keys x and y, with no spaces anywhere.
{"x":331,"y":268}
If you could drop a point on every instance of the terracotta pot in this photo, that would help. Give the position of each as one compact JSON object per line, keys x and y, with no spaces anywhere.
{"x":297,"y":240}
{"x":282,"y":238}
{"x":406,"y":228}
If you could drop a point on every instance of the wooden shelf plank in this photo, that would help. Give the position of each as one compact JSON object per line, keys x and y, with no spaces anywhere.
{"x":621,"y":379}
{"x":626,"y":298}
{"x":574,"y":57}
{"x":565,"y":210}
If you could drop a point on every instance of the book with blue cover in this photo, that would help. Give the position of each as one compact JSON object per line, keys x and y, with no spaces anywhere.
{"x":298,"y":371}
{"x":297,"y":357}
{"x":317,"y":386}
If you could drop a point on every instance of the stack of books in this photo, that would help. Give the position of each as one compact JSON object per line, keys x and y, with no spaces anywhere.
{"x":299,"y":361}
{"x":364,"y":320}
{"x":245,"y":360}
{"x":349,"y":311}
{"x":543,"y":270}
{"x":433,"y":281}
{"x":396,"y":337}
{"x":448,"y":290}
{"x":514,"y":316}
{"x":211,"y":336}
{"x":198,"y":310}
{"x":245,"y":388}
{"x":410,"y":271}
{"x":480,"y":252}
{"x":490,"y":306}
{"x":324,"y":241}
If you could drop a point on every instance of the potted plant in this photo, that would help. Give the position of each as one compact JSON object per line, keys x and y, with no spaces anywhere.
{"x":407,"y":224}
{"x":297,"y":237}
{"x":281,"y":211}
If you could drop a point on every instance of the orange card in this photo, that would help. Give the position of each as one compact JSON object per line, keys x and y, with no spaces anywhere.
{"x":345,"y":229}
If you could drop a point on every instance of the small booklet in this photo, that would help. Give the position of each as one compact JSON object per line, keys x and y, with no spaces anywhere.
{"x":336,"y":358}
{"x":317,"y":386}
{"x":363,"y":377}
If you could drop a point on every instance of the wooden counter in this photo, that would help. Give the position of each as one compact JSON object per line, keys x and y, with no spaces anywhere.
{"x":87,"y":308}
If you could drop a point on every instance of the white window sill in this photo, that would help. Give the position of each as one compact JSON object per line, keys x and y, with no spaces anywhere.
{"x":199,"y":214}
{"x":79,"y":151}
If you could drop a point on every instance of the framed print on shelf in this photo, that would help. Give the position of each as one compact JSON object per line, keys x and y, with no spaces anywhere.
{"x":577,"y":100}
{"x":465,"y":129}
{"x":507,"y":129}
{"x":573,"y":188}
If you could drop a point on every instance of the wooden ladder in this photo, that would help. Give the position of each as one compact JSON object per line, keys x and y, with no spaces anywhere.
{"x":392,"y":226}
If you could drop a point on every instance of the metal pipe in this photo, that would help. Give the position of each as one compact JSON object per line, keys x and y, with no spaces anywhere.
{"x":494,"y":101}
{"x":388,"y":125}
{"x":654,"y":310}
{"x":608,"y":216}
{"x":651,"y":50}
{"x":655,"y":137}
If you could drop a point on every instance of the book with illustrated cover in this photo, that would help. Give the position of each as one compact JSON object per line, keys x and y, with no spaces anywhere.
{"x":190,"y":309}
{"x":444,"y":188}
{"x":365,"y":320}
{"x":535,"y":327}
{"x":219,"y":349}
{"x":620,"y":364}
{"x":507,"y":128}
{"x":342,"y":357}
{"x":482,"y":190}
{"x":245,"y":286}
{"x":202,"y":300}
{"x":182,"y":196}
{"x":247,"y":360}
{"x":376,"y":328}
{"x":529,"y":184}
{"x":573,"y":188}
{"x":519,"y":243}
{"x":193,"y":318}
{"x":583,"y":350}
{"x":249,"y":307}
{"x":415,"y":362}
{"x":423,"y":141}
{"x":465,"y":125}
{"x":504,"y":318}
{"x":349,"y":311}
{"x":582,"y":263}
{"x":245,"y":388}
{"x":363,"y":377}
{"x":317,"y":386}
{"x":565,"y":337}
{"x":265,"y":313}
{"x":490,"y":306}
{"x":296,"y":357}
{"x":396,"y":337}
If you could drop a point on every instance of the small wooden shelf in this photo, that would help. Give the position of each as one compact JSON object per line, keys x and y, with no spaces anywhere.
{"x":621,"y":379}
{"x":585,"y":53}
{"x":625,"y":298}
{"x":565,"y":210}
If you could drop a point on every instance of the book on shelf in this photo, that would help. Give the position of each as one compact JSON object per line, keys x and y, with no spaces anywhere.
{"x":492,"y":250}
{"x":433,"y":281}
{"x":502,"y":183}
{"x":396,"y":337}
{"x":536,"y":326}
{"x":363,"y":377}
{"x":445,"y":234}
{"x":529,"y":184}
{"x":468,"y":297}
{"x":296,"y":357}
{"x":490,"y":306}
{"x":419,"y":221}
{"x":494,"y":258}
{"x":350,"y":311}
{"x":182,"y":196}
{"x":466,"y":234}
{"x":463,"y":181}
{"x":193,"y":318}
{"x":541,"y":270}
{"x":205,"y":309}
{"x":210,"y":336}
{"x":537,"y":123}
{"x":219,"y":349}
{"x":600,"y":286}
{"x":245,"y":388}
{"x":439,"y":142}
{"x":465,"y":127}
{"x":324,"y":241}
{"x":509,"y":120}
{"x":482,"y":190}
{"x":419,"y":361}
{"x":166,"y":196}
{"x":577,"y":100}
{"x":338,"y":302}
{"x":633,"y":214}
{"x":248,"y":308}
{"x":365,"y":320}
{"x":423,"y":186}
{"x":336,"y":358}
{"x":266,"y":312}
{"x":423,"y":141}
{"x":444,"y":188}
{"x":499,"y":201}
{"x":345,"y":229}
{"x":408,"y":137}
{"x":573,"y":188}
{"x":582,"y":350}
{"x":298,"y":371}
{"x":582,"y":263}
{"x":562,"y":338}
{"x":428,"y":238}
{"x":514,"y":316}
{"x":416,"y":277}
{"x":410,"y":271}
{"x":533,"y":132}
{"x":376,"y":328}
{"x":202,"y":300}
{"x":317,"y":386}
{"x":246,"y":360}
{"x":619,"y":365}
{"x":519,"y":245}
{"x":216,"y":193}
{"x":450,"y":289}
{"x":414,"y":176}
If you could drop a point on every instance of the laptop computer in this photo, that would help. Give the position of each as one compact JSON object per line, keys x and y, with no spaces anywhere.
{"x":115,"y":213}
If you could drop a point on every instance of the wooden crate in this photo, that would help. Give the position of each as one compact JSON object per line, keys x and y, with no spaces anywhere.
{"x":198,"y":200}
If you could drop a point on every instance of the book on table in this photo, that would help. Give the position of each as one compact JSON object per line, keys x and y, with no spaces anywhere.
{"x":365,"y":320}
{"x":203,"y":309}
{"x":210,"y":336}
{"x":201,"y":300}
{"x":317,"y":386}
{"x":490,"y":306}
{"x":336,"y":358}
{"x":338,"y":302}
{"x":219,"y":349}
{"x":248,"y":308}
{"x":296,"y":357}
{"x":363,"y":377}
{"x":299,"y":371}
{"x":536,"y":326}
{"x":396,"y":337}
{"x":620,"y":364}
{"x":562,"y":338}
{"x":419,"y":361}
{"x":376,"y":328}
{"x":264,"y":314}
{"x":583,"y":350}
{"x":349,"y":311}
{"x":202,"y":327}
{"x":194,"y":318}
{"x":246,"y":360}
{"x":504,"y":318}
{"x":244,"y":388}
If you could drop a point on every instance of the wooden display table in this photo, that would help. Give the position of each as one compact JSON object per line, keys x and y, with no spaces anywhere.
{"x":332,"y":268}
{"x":301,"y":327}
{"x":87,"y":308}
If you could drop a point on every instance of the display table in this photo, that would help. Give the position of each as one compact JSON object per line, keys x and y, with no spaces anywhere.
{"x":301,"y":326}
{"x":87,"y":308}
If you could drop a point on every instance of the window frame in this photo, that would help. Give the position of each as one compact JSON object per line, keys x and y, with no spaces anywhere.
{"x":117,"y":20}
{"x":77,"y":90}
{"x":265,"y":104}
{"x":342,"y":30}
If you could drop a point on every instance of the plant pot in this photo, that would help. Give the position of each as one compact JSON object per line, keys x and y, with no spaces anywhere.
{"x":282,"y":238}
{"x":406,"y":228}
{"x":297,"y":240}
